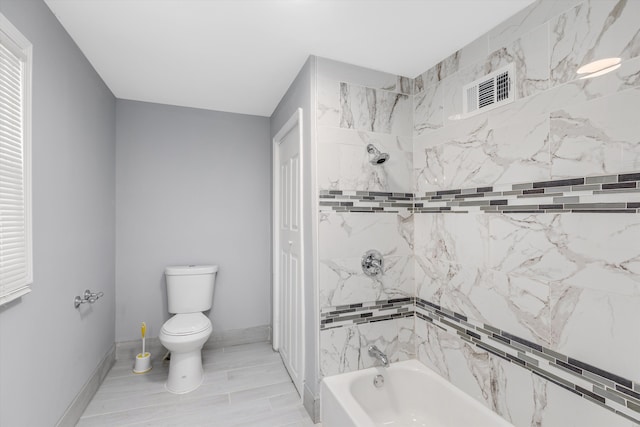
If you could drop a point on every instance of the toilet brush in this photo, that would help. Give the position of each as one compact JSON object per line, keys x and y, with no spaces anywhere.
{"x":143,"y":332}
{"x":143,"y":360}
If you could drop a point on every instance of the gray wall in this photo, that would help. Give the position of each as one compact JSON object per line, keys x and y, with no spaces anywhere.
{"x":48,"y":349}
{"x":193,"y":187}
{"x":301,"y":94}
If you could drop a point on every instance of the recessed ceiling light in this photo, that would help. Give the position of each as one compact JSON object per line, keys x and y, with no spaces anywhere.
{"x":599,"y":67}
{"x":601,"y":72}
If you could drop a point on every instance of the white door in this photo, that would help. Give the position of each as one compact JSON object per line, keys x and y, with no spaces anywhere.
{"x":288,"y":256}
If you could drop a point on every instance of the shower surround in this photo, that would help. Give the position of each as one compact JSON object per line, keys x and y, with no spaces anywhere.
{"x":357,"y":107}
{"x":510,"y":237}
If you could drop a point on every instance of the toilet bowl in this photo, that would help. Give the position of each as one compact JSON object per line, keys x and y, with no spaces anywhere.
{"x":184,"y":335}
{"x":189,"y":293}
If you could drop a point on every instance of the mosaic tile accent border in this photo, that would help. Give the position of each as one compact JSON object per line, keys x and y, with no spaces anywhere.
{"x":595,"y":194}
{"x":613,"y":392}
{"x":601,"y":194}
{"x":365,"y":201}
{"x":353,"y":314}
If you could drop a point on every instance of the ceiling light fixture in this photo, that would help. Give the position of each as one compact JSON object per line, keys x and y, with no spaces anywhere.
{"x":599,"y":67}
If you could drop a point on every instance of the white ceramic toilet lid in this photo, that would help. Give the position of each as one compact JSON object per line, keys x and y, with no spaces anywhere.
{"x":186,"y":324}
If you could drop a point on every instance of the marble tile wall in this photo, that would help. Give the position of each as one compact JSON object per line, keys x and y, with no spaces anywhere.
{"x":357,"y":107}
{"x":610,"y":391}
{"x":569,"y":282}
{"x":563,"y":280}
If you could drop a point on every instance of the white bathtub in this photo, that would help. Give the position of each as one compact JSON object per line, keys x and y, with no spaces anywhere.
{"x":412,"y":395}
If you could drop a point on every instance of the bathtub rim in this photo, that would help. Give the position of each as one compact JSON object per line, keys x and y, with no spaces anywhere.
{"x":357,"y":415}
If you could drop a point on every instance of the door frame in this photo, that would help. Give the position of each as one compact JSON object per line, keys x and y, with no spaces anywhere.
{"x":294,"y":120}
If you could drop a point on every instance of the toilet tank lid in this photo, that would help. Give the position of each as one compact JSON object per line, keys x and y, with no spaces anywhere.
{"x":184,"y":270}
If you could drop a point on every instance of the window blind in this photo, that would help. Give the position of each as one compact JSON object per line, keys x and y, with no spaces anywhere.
{"x":15,"y":223}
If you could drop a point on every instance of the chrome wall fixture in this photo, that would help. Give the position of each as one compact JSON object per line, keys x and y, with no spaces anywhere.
{"x":377,"y":354}
{"x":372,"y":263}
{"x":378,"y":157}
{"x":88,"y":296}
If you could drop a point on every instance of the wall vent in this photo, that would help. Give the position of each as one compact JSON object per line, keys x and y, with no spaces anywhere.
{"x":489,"y":92}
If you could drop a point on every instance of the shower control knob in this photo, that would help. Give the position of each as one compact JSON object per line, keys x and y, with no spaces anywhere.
{"x":372,"y":263}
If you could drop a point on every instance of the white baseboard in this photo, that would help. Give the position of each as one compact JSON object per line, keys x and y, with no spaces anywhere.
{"x":312,"y":405}
{"x":75,"y":410}
{"x":239,"y":336}
{"x":129,"y":349}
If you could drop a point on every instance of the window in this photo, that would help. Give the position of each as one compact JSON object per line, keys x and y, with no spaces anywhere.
{"x":16,"y":270}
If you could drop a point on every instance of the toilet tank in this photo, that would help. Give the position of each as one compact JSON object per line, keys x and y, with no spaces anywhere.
{"x":190,"y":287}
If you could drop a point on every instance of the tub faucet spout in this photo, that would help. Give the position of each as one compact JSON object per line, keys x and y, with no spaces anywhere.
{"x":376,"y":353}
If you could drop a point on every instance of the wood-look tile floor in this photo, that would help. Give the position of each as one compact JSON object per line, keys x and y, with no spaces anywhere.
{"x":245,"y":385}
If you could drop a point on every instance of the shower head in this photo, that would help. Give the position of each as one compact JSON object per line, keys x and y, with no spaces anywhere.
{"x":378,"y":157}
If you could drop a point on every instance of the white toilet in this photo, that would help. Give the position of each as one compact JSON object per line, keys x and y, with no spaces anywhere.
{"x":189,"y":293}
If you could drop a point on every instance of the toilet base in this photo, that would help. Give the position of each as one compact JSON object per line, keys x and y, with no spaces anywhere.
{"x":185,"y":372}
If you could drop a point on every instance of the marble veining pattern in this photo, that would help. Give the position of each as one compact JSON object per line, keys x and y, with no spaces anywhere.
{"x":593,"y":30}
{"x":530,"y":54}
{"x":597,"y":136}
{"x":523,"y":397}
{"x":374,"y":110}
{"x":343,"y":161}
{"x":490,"y":364}
{"x":336,"y":71}
{"x":345,"y":349}
{"x":480,"y":342}
{"x":482,"y":155}
{"x":468,"y":55}
{"x":526,"y":20}
{"x":569,"y":94}
{"x":537,"y":262}
{"x":347,"y":235}
{"x":342,"y":281}
{"x":534,"y":272}
{"x":428,"y":111}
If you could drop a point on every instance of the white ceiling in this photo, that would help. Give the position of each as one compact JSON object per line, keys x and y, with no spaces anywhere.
{"x":241,"y":55}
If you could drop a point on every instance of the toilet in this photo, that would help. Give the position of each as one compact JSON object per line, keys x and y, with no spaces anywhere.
{"x":189,"y":293}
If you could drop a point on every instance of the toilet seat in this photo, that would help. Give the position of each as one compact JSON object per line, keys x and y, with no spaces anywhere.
{"x":186,"y":324}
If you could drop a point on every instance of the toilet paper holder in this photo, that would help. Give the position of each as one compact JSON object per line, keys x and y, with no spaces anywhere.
{"x":88,"y":296}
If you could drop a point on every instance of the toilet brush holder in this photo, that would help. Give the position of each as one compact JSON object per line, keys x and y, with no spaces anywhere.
{"x":143,"y":363}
